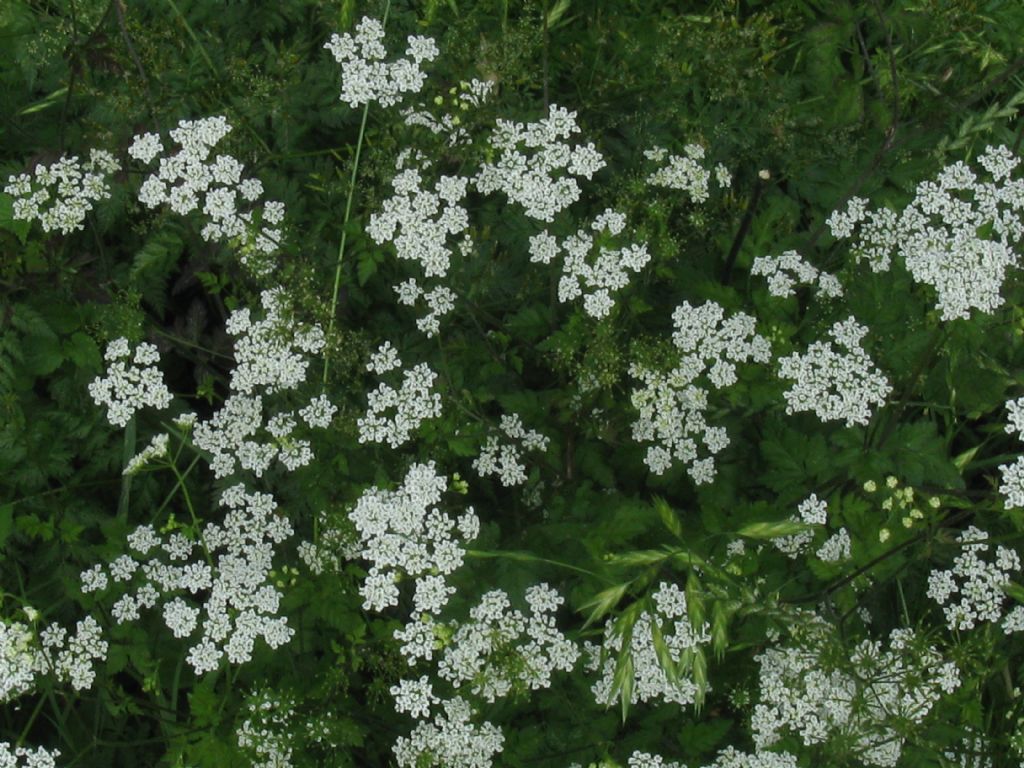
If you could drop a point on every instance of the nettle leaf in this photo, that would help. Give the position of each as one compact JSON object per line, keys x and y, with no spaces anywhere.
{"x":919,"y":456}
{"x":154,"y":263}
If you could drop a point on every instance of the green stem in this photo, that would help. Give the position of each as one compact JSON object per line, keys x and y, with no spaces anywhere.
{"x":31,"y":720}
{"x":348,"y":213}
{"x":527,"y":557}
{"x":191,"y":511}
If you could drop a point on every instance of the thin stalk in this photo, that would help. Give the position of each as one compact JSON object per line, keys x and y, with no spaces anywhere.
{"x":527,"y":557}
{"x":348,"y":213}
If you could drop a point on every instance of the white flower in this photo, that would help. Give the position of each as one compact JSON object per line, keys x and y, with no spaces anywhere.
{"x":60,"y":195}
{"x":129,"y":386}
{"x":835,"y":385}
{"x":366,"y":77}
{"x":504,"y":460}
{"x":534,"y":168}
{"x":671,"y":405}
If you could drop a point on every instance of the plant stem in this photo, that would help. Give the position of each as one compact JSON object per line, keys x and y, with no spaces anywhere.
{"x":344,"y":224}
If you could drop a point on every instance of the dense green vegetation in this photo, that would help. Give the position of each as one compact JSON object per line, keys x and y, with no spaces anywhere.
{"x":807,"y":105}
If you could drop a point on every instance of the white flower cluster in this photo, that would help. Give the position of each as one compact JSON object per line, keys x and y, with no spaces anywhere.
{"x":157,"y":449}
{"x":647,"y":760}
{"x":423,"y":220}
{"x":957,"y":235}
{"x":528,"y":177}
{"x":450,"y":740}
{"x":231,"y":578}
{"x":811,"y":511}
{"x":672,"y":405}
{"x":270,"y":357}
{"x":501,"y":650}
{"x":979,"y":583}
{"x":334,"y":544}
{"x":686,"y":173}
{"x":863,"y":703}
{"x":264,"y":731}
{"x":403,"y":532}
{"x":366,"y":77}
{"x":60,"y":195}
{"x":13,"y":757}
{"x":188,"y":180}
{"x":730,"y":757}
{"x":788,"y":270}
{"x":70,"y":660}
{"x":469,"y":95}
{"x":504,"y":460}
{"x":410,"y":405}
{"x":594,"y":278}
{"x":650,"y":682}
{"x":1012,"y":488}
{"x":20,"y":660}
{"x":835,"y":385}
{"x":130,"y":386}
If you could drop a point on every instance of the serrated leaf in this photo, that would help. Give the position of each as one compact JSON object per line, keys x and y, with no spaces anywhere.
{"x":19,"y":227}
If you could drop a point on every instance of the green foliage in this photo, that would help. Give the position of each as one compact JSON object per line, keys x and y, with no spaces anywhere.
{"x":807,"y":103}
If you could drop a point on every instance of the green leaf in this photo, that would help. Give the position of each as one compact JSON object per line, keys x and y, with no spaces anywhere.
{"x":668,"y":516}
{"x":6,"y":523}
{"x":82,"y":350}
{"x":366,"y":268}
{"x":768,"y":530}
{"x":19,"y":227}
{"x":604,"y":602}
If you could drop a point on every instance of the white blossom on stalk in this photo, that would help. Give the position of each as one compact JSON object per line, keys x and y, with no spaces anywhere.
{"x":450,"y":740}
{"x":730,"y":757}
{"x":189,"y":180}
{"x":393,"y":414}
{"x":958,"y":235}
{"x":504,"y":459}
{"x":686,"y":172}
{"x":836,"y":386}
{"x":671,"y":405}
{"x":366,"y":76}
{"x":226,"y":591}
{"x":978,"y":582}
{"x":651,"y":682}
{"x":788,"y":270}
{"x":535,"y":167}
{"x":61,"y":194}
{"x":592,"y":273}
{"x":501,"y":650}
{"x":404,"y":533}
{"x":807,"y":692}
{"x":131,"y":382}
{"x":12,"y":756}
